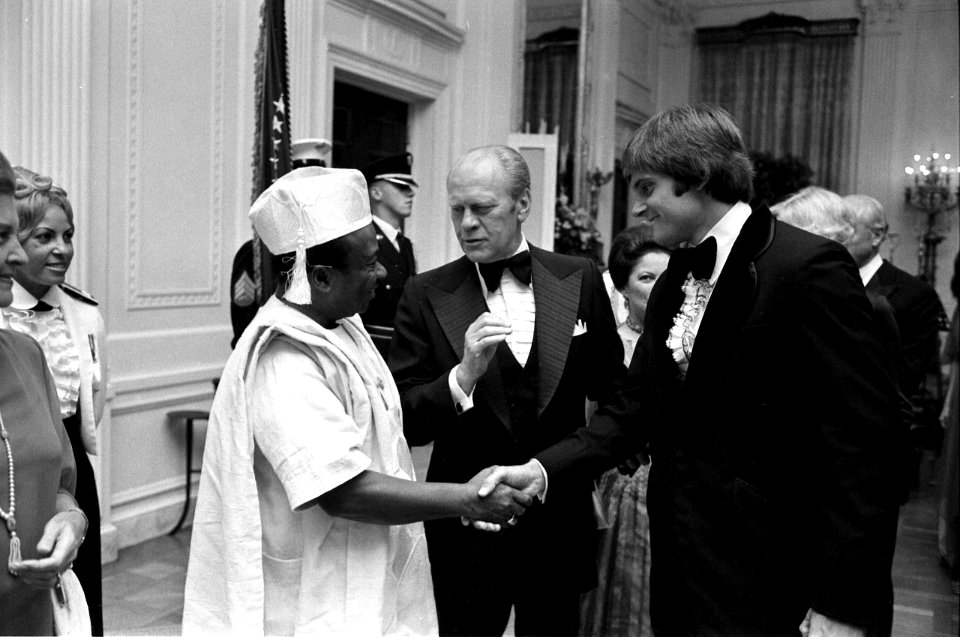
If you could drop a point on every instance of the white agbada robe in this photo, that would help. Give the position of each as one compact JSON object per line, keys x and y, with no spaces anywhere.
{"x":300,"y":410}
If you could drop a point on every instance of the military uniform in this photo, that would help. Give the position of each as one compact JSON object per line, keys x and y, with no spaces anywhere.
{"x":396,"y":251}
{"x":400,"y":265}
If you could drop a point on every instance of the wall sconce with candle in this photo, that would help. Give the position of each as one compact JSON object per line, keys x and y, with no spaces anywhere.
{"x":930,"y":190}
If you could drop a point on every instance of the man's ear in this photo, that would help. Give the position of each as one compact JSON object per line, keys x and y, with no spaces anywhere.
{"x":523,"y":205}
{"x":877,"y":235}
{"x":320,"y":278}
{"x":375,"y":193}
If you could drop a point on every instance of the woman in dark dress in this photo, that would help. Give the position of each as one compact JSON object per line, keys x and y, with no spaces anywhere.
{"x":43,"y":525}
{"x":69,"y":328}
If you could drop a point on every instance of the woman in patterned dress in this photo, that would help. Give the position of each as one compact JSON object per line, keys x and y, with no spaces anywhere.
{"x":620,"y":605}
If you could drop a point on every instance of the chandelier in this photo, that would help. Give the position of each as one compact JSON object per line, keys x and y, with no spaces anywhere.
{"x":930,"y":190}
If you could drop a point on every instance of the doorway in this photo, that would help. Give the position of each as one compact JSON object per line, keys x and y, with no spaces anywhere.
{"x":366,"y":126}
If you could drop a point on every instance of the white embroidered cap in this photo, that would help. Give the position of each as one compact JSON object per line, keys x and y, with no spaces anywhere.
{"x":308,"y":207}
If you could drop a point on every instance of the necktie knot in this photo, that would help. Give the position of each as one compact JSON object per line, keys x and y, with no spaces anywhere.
{"x":699,"y":260}
{"x":519,"y":264}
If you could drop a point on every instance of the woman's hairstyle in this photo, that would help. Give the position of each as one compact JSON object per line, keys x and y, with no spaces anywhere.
{"x":34,"y":195}
{"x":819,"y":211}
{"x":514,"y":167}
{"x":699,"y":146}
{"x":626,"y":249}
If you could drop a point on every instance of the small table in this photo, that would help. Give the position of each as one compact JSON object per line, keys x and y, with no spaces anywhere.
{"x":188,"y":416}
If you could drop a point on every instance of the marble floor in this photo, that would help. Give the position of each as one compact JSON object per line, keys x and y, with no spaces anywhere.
{"x":143,"y":589}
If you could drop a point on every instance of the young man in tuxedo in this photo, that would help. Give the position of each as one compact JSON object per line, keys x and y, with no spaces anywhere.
{"x":760,"y":388}
{"x":494,"y":355}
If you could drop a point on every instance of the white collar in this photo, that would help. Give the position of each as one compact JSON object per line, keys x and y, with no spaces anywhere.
{"x":388,"y":230}
{"x":868,"y":269}
{"x":520,"y":248}
{"x":726,"y":232}
{"x":23,"y":300}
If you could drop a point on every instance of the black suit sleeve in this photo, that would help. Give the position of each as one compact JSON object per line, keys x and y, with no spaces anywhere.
{"x":427,"y":402}
{"x":615,"y":431}
{"x":606,"y":348}
{"x":918,"y":317}
{"x":843,"y":386}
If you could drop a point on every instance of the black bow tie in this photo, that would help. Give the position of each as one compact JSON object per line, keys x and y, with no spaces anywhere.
{"x":42,"y":306}
{"x":519,"y":264}
{"x":699,"y":260}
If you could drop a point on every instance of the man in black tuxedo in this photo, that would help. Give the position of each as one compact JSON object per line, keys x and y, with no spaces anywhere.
{"x":915,"y":304}
{"x":391,"y":189}
{"x":494,"y":355}
{"x":762,"y":392}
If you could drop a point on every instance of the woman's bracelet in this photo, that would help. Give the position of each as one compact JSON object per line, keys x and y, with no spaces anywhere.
{"x":86,"y":522}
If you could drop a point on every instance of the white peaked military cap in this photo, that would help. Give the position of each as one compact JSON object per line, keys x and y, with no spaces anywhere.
{"x":310,"y":151}
{"x":307,"y":207}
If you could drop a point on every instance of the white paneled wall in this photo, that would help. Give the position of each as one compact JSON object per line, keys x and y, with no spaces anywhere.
{"x":144,"y":111}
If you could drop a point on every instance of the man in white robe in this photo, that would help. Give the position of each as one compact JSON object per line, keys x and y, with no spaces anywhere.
{"x":308,"y":514}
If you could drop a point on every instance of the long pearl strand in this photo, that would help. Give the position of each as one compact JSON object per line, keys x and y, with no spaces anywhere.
{"x":8,"y":515}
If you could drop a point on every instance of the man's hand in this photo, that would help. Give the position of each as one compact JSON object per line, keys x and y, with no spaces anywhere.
{"x":479,"y":347}
{"x":817,"y":625}
{"x":527,"y":478}
{"x":500,"y":505}
{"x":58,"y":546}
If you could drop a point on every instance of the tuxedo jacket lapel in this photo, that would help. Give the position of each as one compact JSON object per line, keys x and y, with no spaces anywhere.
{"x":730,"y":302}
{"x":557,"y":297}
{"x":665,"y":301}
{"x":457,"y":303}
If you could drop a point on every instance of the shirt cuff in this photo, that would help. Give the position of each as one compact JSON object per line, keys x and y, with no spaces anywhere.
{"x":546,"y":482}
{"x":461,"y":401}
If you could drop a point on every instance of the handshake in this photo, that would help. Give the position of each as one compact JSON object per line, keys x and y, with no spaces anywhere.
{"x":500,"y":495}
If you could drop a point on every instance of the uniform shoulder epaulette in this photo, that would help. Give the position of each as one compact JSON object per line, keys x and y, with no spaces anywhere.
{"x":78,"y":294}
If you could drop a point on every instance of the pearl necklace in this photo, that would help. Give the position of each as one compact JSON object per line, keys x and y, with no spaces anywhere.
{"x":633,"y":325}
{"x":8,"y":515}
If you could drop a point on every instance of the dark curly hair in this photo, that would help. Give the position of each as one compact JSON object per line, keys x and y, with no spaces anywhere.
{"x":626,"y":249}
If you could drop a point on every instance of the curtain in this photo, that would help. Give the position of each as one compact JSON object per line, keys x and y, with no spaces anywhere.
{"x":550,"y":93}
{"x":790,"y":89}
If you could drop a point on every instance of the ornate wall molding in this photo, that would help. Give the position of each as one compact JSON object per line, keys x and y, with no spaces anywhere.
{"x":676,"y":13}
{"x":54,"y":106}
{"x":410,"y":17}
{"x":375,"y":70}
{"x":138,"y":296}
{"x":301,"y":28}
{"x":887,"y":13}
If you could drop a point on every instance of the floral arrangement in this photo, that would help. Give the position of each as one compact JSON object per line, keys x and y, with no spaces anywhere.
{"x":575,"y":232}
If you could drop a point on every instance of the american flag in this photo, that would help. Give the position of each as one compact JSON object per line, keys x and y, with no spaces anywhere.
{"x":271,"y":153}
